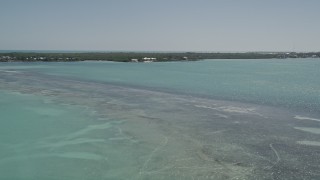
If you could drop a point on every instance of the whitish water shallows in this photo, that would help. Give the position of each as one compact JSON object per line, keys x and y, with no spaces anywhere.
{"x":213,"y":119}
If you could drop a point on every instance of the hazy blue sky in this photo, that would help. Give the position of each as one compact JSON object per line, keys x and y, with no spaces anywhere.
{"x":162,"y":25}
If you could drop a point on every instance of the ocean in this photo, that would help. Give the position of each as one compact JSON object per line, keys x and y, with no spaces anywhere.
{"x":210,"y":119}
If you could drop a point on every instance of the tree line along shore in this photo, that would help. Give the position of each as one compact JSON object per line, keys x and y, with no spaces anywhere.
{"x":145,"y":57}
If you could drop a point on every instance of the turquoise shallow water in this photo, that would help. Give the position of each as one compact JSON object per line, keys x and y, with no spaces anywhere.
{"x":212,"y":119}
{"x":288,"y":82}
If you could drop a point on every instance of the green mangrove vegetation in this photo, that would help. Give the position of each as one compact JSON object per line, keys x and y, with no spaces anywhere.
{"x":146,"y":56}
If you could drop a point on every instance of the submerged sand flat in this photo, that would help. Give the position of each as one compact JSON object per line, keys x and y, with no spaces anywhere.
{"x":306,"y":118}
{"x":309,"y":129}
{"x":310,"y":143}
{"x":79,"y":129}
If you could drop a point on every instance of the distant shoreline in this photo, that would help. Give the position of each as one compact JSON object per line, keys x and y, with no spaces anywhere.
{"x":144,"y":56}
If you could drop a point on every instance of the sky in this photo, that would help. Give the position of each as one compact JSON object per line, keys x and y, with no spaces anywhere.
{"x":160,"y":25}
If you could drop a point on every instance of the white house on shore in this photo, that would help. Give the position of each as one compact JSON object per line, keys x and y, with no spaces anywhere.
{"x":149,"y":59}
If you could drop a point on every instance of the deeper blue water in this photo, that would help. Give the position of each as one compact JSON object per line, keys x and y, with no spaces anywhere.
{"x":211,"y":119}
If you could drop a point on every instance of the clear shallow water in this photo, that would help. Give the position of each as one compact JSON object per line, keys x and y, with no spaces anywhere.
{"x":214,"y":119}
